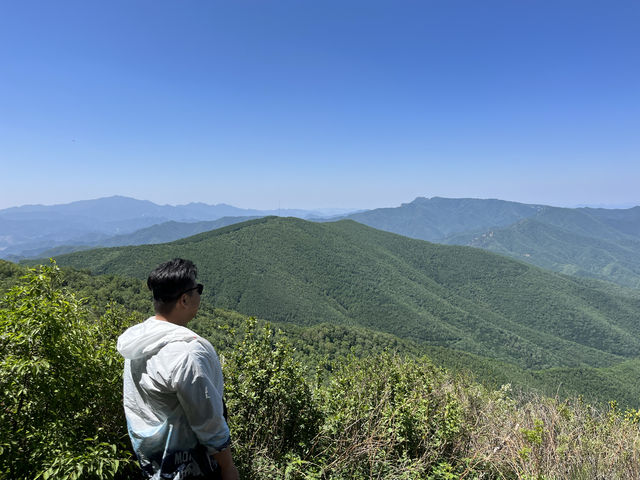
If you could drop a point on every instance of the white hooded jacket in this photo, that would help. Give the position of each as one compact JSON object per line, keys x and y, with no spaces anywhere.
{"x":173,"y":389}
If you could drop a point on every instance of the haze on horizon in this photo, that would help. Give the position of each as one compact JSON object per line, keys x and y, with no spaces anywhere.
{"x":289,"y":104}
{"x":320,"y":210}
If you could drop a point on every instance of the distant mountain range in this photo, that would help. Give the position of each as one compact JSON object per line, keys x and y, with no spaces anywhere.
{"x":435,"y":219}
{"x":37,"y":230}
{"x":589,"y":242}
{"x":159,"y":233}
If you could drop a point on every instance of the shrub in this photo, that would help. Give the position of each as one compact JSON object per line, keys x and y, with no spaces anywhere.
{"x":60,"y":385}
{"x":388,"y":417}
{"x":272,"y":412}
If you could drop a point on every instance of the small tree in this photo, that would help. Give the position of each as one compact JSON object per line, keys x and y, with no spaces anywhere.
{"x":60,"y":385}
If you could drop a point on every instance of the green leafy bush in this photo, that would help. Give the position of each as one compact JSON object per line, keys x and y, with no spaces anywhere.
{"x":389,"y":417}
{"x":272,"y":412}
{"x":60,"y":385}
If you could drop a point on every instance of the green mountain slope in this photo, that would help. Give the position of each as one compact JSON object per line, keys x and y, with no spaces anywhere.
{"x":611,"y":225}
{"x":345,"y":273}
{"x":568,"y":241}
{"x":626,"y":221}
{"x":589,"y":242}
{"x":170,"y":231}
{"x":317,"y":344}
{"x":433,"y":219}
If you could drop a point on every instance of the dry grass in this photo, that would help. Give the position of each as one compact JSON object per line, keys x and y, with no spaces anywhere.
{"x":544,"y":438}
{"x":391,"y":418}
{"x":497,"y":437}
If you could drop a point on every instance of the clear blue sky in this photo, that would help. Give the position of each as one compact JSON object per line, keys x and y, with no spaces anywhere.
{"x":303,"y":104}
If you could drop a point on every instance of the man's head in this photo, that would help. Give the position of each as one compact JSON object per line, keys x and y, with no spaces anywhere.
{"x":173,"y":282}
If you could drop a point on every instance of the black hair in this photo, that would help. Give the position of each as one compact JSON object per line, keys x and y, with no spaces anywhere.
{"x":169,"y":280}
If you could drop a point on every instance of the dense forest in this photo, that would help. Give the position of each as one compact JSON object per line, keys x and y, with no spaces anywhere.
{"x":391,"y":413}
{"x":324,"y":342}
{"x":538,"y":324}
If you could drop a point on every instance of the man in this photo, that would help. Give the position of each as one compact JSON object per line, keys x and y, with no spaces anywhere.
{"x":173,"y":385}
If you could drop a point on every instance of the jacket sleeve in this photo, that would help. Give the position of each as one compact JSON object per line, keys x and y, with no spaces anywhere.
{"x":199,"y":386}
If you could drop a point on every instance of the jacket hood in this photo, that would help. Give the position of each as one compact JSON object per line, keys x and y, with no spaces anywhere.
{"x":148,"y":337}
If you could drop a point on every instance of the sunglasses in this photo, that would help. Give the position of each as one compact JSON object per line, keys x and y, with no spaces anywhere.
{"x":198,"y":287}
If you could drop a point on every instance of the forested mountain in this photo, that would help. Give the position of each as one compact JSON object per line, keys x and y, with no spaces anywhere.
{"x":596,"y":243}
{"x":290,"y":270}
{"x":170,"y":231}
{"x":434,"y":219}
{"x":584,"y":242}
{"x":320,"y":343}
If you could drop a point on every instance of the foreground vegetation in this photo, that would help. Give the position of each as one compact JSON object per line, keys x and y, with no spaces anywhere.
{"x":378,"y":416}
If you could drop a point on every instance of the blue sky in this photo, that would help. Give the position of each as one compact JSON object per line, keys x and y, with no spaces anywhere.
{"x":301,"y":104}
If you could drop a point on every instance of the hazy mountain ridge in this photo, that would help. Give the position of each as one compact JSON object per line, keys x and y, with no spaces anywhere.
{"x":589,"y":242}
{"x":567,"y":241}
{"x":34,"y":230}
{"x":345,"y":273}
{"x":596,"y":243}
{"x":433,"y":219}
{"x":158,"y":233}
